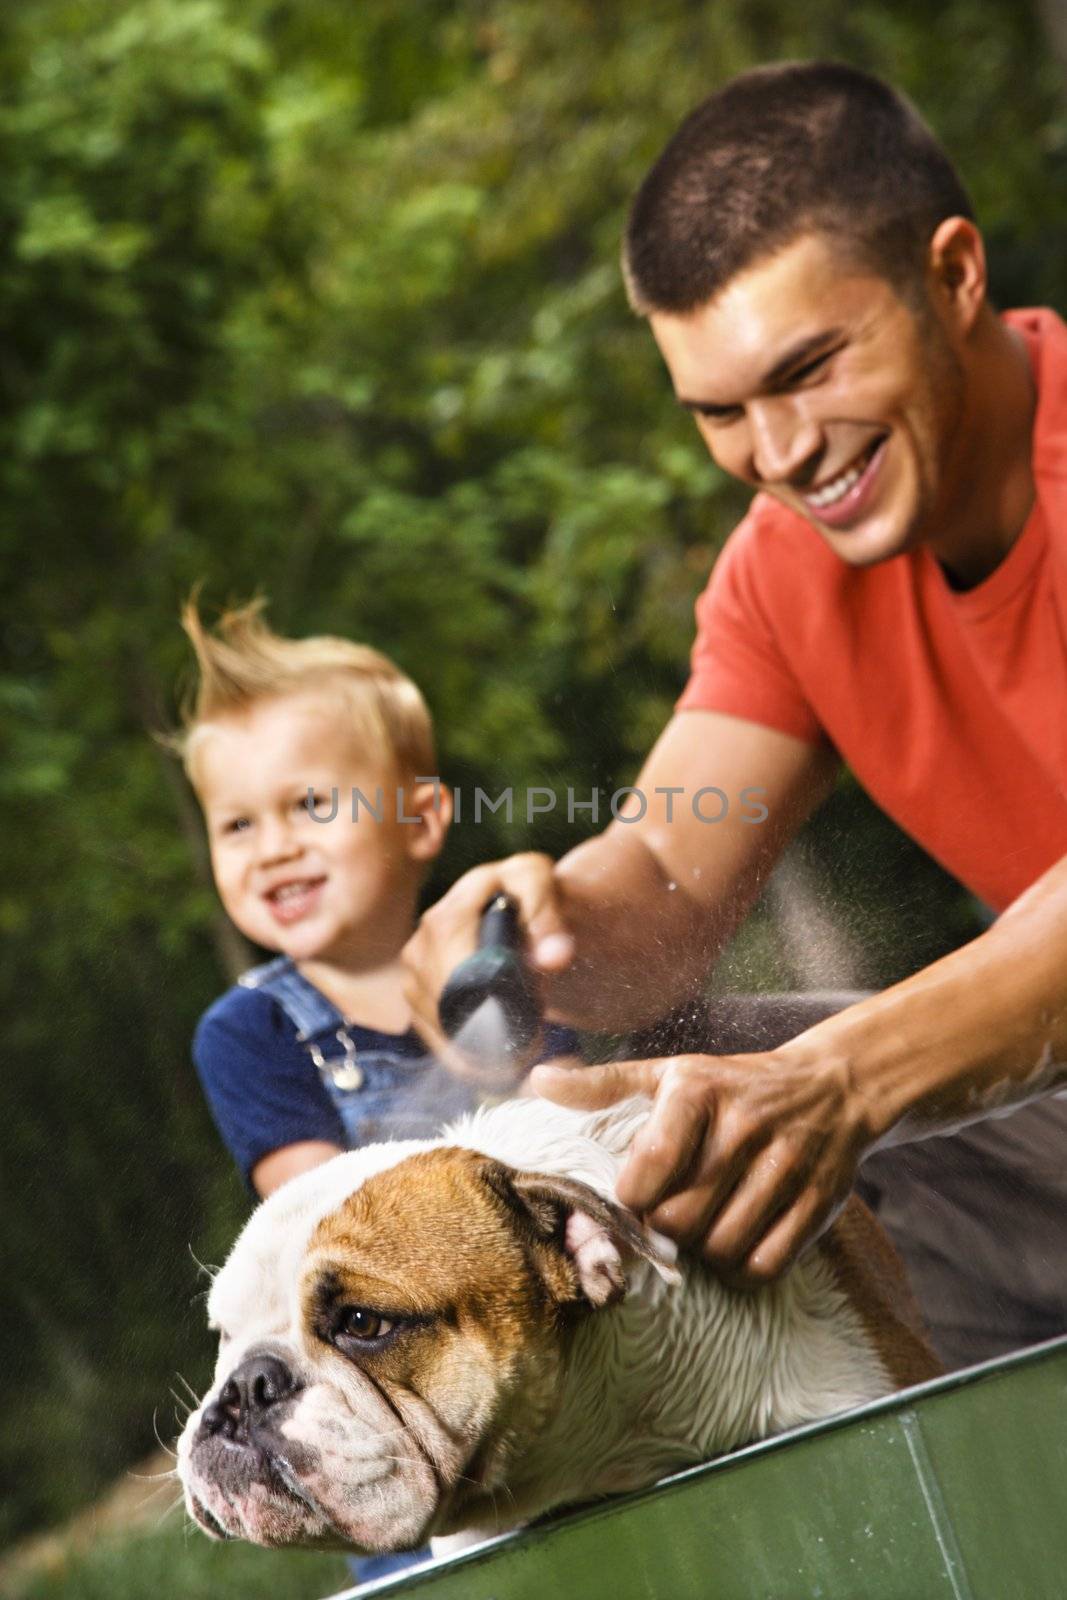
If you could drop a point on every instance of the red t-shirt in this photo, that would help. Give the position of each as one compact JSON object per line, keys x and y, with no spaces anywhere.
{"x":950,"y":708}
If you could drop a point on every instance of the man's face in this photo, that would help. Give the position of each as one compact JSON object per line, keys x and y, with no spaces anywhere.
{"x":812,"y":381}
{"x":290,"y":881}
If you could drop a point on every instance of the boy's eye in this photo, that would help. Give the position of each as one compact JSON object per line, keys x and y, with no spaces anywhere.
{"x":316,"y":803}
{"x":236,"y":825}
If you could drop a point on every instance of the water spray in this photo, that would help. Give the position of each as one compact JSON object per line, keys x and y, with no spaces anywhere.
{"x":490,"y":1006}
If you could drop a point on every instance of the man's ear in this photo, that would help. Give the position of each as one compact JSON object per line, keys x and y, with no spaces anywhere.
{"x":957,"y":265}
{"x":595,"y":1239}
{"x":431,"y":802}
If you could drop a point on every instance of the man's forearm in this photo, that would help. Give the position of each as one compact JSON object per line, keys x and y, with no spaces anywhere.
{"x":984,"y":1027}
{"x":628,"y":925}
{"x":651,"y":902}
{"x":644,"y":944}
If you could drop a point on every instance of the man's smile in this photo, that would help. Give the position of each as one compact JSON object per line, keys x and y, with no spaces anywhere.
{"x":839,"y":500}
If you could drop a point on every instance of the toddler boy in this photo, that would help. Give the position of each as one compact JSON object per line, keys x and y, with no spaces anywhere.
{"x":313,"y":762}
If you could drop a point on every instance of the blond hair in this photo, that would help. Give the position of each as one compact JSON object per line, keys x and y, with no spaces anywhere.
{"x":242,"y":662}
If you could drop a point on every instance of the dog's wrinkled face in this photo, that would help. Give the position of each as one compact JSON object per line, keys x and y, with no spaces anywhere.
{"x":377,"y":1379}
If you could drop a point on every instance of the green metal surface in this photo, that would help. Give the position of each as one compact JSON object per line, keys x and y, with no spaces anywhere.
{"x":956,"y":1489}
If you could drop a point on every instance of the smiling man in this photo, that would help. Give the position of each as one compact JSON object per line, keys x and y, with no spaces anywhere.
{"x":821,"y":387}
{"x":810,"y":268}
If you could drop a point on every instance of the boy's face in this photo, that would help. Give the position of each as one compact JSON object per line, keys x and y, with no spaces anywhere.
{"x":811,"y":380}
{"x":312,"y":889}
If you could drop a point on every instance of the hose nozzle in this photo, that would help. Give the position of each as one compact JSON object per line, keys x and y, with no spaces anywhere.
{"x":489,"y":1005}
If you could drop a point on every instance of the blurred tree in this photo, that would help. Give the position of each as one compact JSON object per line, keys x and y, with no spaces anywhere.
{"x":322,"y":300}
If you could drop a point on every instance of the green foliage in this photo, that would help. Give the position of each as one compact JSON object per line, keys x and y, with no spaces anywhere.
{"x":321,"y":300}
{"x":184,"y":1565}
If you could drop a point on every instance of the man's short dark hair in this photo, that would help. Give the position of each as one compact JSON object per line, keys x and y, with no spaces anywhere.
{"x":808,"y":146}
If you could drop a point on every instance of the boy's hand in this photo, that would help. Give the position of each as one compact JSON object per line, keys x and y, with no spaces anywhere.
{"x":448,"y":933}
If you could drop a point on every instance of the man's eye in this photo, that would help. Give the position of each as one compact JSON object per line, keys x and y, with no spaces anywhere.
{"x":809,"y":369}
{"x":356,"y":1322}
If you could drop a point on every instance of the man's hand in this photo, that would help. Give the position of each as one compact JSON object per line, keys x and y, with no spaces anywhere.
{"x":448,"y":933}
{"x":747,"y":1156}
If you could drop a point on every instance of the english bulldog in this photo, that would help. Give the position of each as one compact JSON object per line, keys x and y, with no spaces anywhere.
{"x":450,"y":1338}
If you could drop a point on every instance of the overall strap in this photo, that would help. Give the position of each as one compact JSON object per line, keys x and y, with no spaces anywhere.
{"x":307,"y":1009}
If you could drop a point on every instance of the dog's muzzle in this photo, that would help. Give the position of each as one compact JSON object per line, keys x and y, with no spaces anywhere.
{"x":249,"y":1399}
{"x":242,"y":1478}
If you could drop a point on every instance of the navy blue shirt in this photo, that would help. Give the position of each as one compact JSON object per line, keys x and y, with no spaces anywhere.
{"x":268,"y":1086}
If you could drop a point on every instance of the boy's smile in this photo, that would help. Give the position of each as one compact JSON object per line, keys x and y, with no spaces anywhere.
{"x":338,"y":890}
{"x":294,"y":898}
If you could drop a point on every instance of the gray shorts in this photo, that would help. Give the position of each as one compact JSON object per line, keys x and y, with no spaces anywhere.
{"x":979,"y":1216}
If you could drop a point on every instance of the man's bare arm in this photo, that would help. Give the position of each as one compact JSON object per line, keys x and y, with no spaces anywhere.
{"x":983,"y":1027}
{"x":631,"y":922}
{"x":749,"y":1154}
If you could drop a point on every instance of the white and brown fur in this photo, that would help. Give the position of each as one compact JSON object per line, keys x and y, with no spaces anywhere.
{"x":556,"y":1352}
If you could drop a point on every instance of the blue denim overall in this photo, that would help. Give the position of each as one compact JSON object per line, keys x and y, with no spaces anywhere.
{"x":378,"y":1093}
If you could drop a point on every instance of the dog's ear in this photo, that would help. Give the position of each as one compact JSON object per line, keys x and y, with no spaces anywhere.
{"x":597,"y":1238}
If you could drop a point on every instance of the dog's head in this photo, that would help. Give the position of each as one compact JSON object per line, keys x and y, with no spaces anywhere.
{"x":394,"y":1329}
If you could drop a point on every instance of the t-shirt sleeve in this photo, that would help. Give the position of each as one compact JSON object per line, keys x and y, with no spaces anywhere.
{"x":261,"y":1087}
{"x":737,"y":665}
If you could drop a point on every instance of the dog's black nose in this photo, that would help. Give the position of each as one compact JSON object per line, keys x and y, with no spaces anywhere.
{"x":248,"y":1394}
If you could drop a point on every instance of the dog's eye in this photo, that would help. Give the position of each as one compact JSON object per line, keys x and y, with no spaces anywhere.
{"x":356,"y":1322}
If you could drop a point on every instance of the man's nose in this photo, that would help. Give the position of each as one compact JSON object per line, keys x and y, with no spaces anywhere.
{"x":247,"y":1396}
{"x":785,"y":441}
